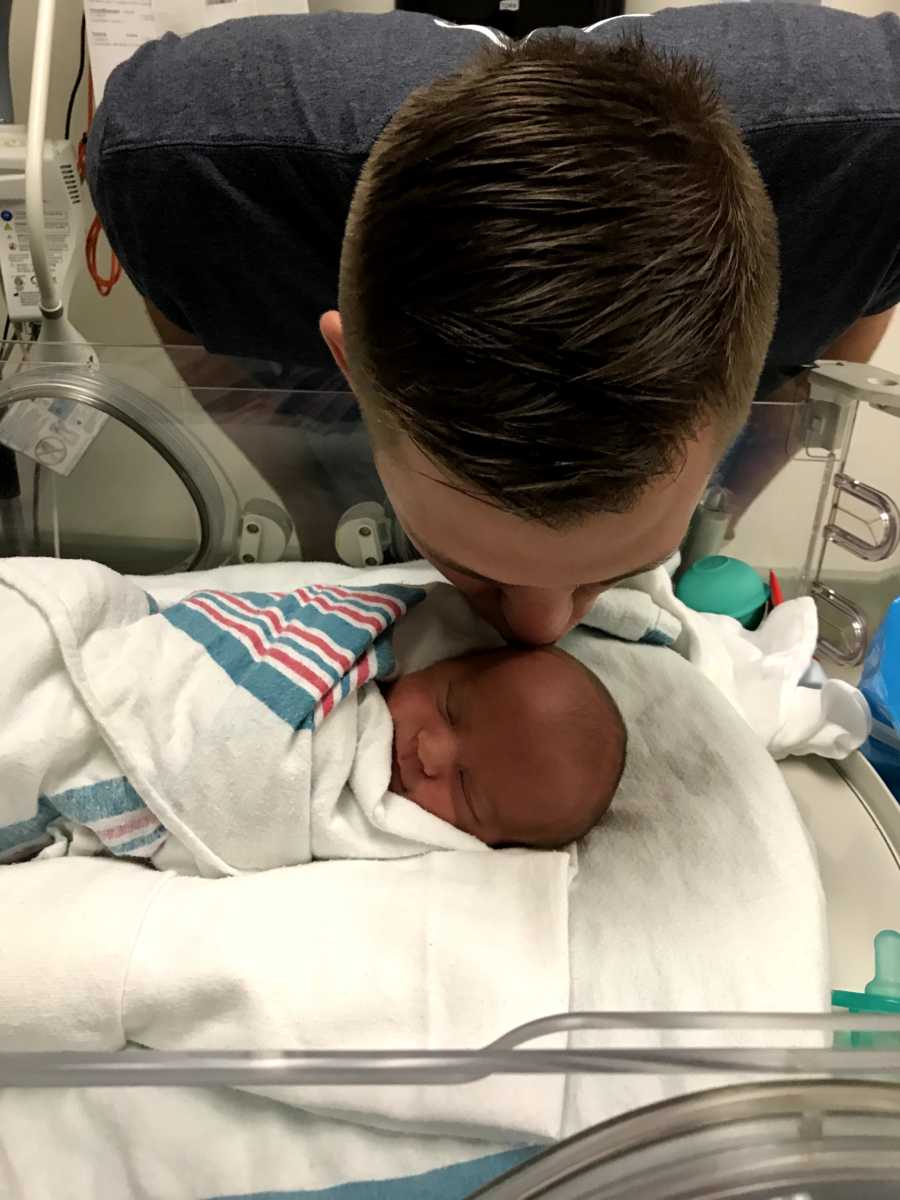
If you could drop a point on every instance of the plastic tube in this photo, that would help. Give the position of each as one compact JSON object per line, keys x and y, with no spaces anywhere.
{"x":34,"y":157}
{"x":143,"y":1068}
{"x":6,"y":101}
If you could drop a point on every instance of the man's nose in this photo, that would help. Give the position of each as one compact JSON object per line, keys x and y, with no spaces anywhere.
{"x":437,"y":751}
{"x":538,"y":616}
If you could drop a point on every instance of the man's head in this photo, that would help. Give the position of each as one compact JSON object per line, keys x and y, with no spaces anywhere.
{"x":558,"y":285}
{"x":516,"y":747}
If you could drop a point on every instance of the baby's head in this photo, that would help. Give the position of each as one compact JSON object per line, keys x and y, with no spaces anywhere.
{"x":516,"y":747}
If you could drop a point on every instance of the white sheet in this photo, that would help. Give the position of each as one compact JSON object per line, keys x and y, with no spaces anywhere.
{"x":759,"y":671}
{"x":430,"y":952}
{"x":190,"y":1143}
{"x":698,"y":891}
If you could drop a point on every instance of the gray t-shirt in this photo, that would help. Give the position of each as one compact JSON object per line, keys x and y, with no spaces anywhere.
{"x":222,"y":164}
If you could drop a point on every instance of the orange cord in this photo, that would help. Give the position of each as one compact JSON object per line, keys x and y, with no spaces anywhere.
{"x":103,"y":283}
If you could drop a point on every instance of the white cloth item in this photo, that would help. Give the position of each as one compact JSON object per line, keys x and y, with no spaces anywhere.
{"x":759,"y":672}
{"x":699,"y":889}
{"x":632,"y":616}
{"x":438,"y":951}
{"x":124,"y":694}
{"x":47,"y":740}
{"x":703,"y":835}
{"x":185,"y":1143}
{"x":280,"y":576}
{"x":833,"y":724}
{"x":67,"y":930}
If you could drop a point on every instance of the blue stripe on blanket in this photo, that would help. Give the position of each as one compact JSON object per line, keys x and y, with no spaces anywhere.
{"x":287,"y":700}
{"x":656,"y":637}
{"x":653,"y":637}
{"x":95,"y":801}
{"x":295,"y":652}
{"x":30,"y":831}
{"x":446,"y":1183}
{"x":115,"y":813}
{"x":228,"y":607}
{"x":92,"y":805}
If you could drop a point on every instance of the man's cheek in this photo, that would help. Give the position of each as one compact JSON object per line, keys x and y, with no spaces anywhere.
{"x":583,"y":604}
{"x":468,"y":585}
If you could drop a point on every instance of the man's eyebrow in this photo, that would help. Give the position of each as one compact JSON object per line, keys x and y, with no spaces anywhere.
{"x":651,"y":566}
{"x":440,"y":560}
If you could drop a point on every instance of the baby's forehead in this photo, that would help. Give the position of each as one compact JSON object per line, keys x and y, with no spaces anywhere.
{"x":529,"y":668}
{"x":536,"y":682}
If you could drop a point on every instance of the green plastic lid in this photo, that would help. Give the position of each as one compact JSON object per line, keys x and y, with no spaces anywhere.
{"x":719,"y":584}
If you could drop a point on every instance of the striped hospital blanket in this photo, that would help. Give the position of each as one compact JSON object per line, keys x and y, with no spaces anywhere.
{"x":123,"y":726}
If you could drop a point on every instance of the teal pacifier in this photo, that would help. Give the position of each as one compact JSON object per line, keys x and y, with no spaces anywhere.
{"x":882,"y":992}
{"x":882,"y":995}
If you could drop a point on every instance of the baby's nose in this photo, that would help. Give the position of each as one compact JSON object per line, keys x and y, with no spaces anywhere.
{"x":437,"y":752}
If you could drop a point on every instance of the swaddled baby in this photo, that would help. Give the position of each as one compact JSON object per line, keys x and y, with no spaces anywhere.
{"x":237,"y":732}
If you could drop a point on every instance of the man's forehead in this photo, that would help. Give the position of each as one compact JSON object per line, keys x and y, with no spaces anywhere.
{"x":463,"y":532}
{"x":446,"y":563}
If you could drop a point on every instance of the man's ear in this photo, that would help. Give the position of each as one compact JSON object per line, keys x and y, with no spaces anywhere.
{"x":332,"y":331}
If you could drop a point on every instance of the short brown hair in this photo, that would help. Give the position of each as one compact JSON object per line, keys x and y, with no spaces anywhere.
{"x":560,"y":264}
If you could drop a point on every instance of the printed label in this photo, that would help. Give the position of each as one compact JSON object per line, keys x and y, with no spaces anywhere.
{"x":53,"y":433}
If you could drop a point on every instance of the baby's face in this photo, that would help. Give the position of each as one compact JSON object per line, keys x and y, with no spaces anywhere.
{"x":484,"y":743}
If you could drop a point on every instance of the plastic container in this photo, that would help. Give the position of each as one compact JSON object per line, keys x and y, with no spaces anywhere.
{"x":880,"y":684}
{"x":810,"y":1140}
{"x":709,"y":526}
{"x":719,"y":584}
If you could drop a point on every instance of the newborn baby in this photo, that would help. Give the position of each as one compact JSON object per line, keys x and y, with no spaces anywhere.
{"x":234,"y":732}
{"x":515,"y":747}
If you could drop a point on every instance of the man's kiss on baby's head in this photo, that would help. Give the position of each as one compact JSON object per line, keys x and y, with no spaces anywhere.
{"x":515,"y":747}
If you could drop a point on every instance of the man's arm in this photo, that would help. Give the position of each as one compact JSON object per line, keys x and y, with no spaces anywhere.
{"x":197,"y":368}
{"x":773,"y":434}
{"x":861,"y":340}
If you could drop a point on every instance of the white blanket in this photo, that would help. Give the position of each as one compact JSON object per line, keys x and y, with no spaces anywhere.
{"x":196,"y":1144}
{"x":230,"y":732}
{"x":759,"y":671}
{"x":443,"y":950}
{"x":698,"y":891}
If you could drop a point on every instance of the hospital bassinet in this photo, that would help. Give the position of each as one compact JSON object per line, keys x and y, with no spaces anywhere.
{"x":119,"y":461}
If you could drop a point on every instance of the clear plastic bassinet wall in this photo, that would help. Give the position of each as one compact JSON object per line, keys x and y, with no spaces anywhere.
{"x":158,"y":461}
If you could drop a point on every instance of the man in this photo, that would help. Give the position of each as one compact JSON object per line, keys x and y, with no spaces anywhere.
{"x":558,"y":283}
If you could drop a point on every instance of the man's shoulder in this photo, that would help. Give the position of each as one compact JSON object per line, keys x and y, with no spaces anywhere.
{"x":327,"y":82}
{"x":816,"y":94}
{"x":783,"y":65}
